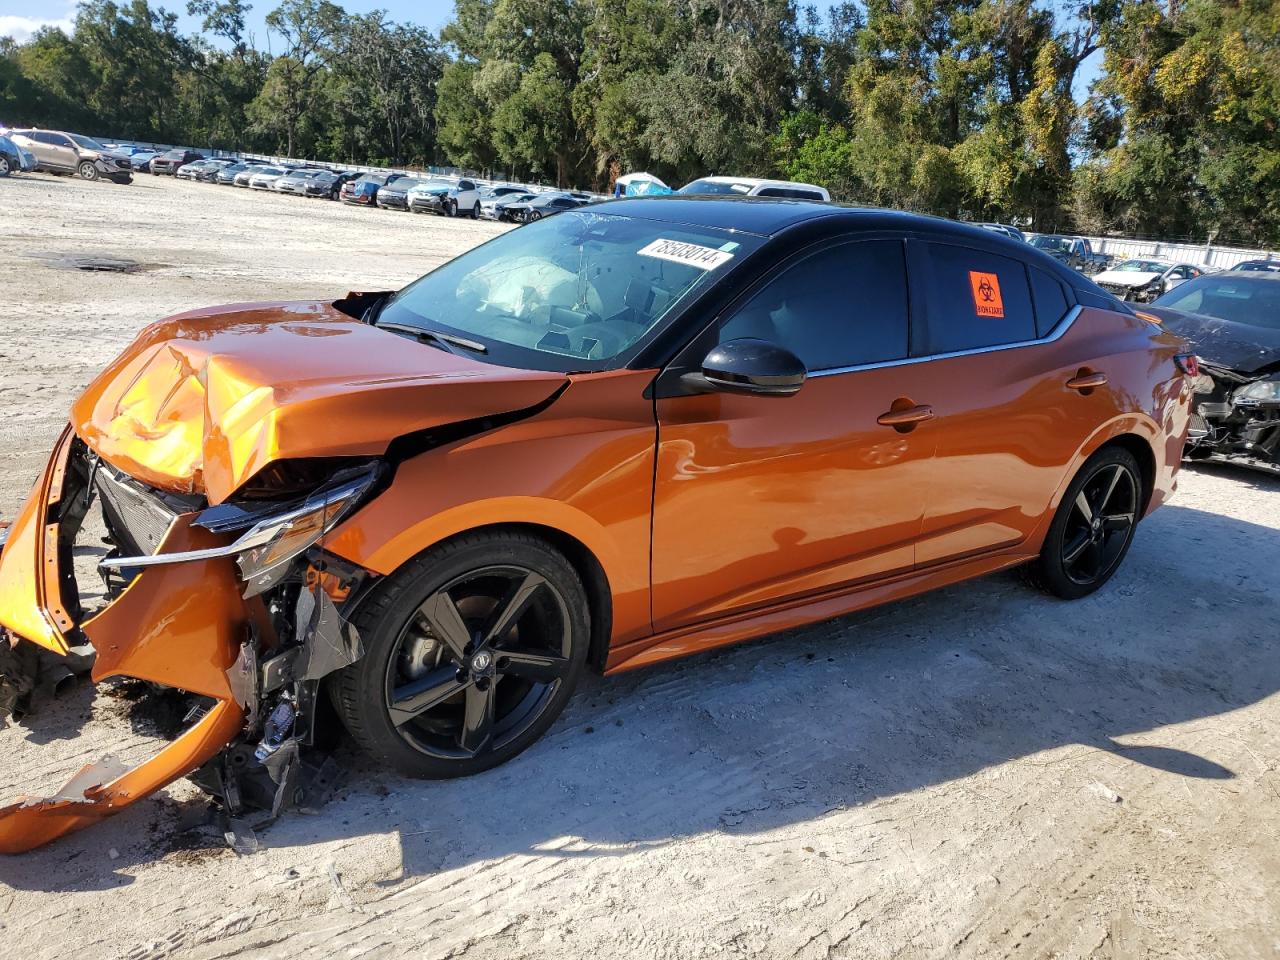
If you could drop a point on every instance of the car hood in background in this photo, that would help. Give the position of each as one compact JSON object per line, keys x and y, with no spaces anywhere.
{"x":1125,"y":278}
{"x":1236,"y":346}
{"x":202,"y":401}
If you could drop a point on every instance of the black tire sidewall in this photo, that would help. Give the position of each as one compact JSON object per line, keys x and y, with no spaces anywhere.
{"x":359,"y":690}
{"x":1050,"y":572}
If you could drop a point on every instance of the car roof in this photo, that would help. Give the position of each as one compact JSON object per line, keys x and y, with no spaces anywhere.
{"x":767,"y":216}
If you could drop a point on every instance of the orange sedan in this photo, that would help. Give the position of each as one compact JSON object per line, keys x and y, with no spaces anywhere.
{"x":619,"y":435}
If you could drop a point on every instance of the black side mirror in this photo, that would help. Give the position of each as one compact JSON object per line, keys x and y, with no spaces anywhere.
{"x":751,"y":366}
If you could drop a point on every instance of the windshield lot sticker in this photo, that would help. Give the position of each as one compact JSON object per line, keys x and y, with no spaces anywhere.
{"x":704,"y":258}
{"x":986,"y":294}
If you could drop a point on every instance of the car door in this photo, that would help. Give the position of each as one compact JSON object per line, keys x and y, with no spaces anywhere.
{"x":45,"y":146}
{"x":1008,"y":420}
{"x":758,"y":499}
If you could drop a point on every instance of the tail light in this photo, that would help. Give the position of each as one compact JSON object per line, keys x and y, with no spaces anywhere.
{"x":1188,"y":364}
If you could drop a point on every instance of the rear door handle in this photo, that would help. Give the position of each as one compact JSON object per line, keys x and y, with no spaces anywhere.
{"x":906,"y":418}
{"x":1087,"y":381}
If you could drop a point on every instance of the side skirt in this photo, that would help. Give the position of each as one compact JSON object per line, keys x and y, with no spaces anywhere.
{"x":801,"y":611}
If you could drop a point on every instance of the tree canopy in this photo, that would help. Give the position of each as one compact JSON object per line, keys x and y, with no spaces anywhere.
{"x":970,"y":108}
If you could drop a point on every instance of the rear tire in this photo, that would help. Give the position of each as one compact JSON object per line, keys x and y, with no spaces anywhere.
{"x":475,"y":211}
{"x":430,"y":624}
{"x":1093,"y":529}
{"x":4,"y":166}
{"x":87,"y":171}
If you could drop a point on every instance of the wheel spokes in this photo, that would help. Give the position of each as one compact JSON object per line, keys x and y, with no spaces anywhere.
{"x":510,"y":607}
{"x":1070,"y":554}
{"x":1083,"y":505}
{"x":1111,"y":488}
{"x":1117,"y":522}
{"x":477,"y":719}
{"x":441,"y":617}
{"x":532,"y":665}
{"x":416,"y":697}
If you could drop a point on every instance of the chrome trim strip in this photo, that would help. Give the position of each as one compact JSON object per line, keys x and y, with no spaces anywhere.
{"x":1055,"y":334}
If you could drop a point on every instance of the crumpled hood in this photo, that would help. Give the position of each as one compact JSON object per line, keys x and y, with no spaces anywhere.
{"x":202,"y":401}
{"x":1236,"y":346}
{"x":1125,"y":278}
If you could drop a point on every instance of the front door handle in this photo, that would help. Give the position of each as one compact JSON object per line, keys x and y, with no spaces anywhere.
{"x":905,"y":418}
{"x":1085,"y":382}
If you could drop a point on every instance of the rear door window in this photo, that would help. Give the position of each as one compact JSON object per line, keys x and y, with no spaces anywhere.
{"x":844,"y":306}
{"x":972,"y":299}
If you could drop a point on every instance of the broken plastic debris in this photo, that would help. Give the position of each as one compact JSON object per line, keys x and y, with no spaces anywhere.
{"x":240,"y":837}
{"x":340,"y":891}
{"x":1105,"y":792}
{"x":275,"y":730}
{"x":113,"y":853}
{"x":329,"y":643}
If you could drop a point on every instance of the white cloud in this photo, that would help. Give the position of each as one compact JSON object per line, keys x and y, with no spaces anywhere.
{"x":21,"y":28}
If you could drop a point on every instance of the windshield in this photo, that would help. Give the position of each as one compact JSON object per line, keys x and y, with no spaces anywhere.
{"x":714,"y":186}
{"x":1051,"y":243}
{"x":378,"y":178}
{"x":1142,"y":266}
{"x":1258,"y":266}
{"x":1254,"y":301}
{"x":571,"y":292}
{"x":269,"y":172}
{"x":87,"y":142}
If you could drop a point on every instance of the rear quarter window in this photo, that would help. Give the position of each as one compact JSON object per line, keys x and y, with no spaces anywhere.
{"x":1051,"y":302}
{"x":973,"y":299}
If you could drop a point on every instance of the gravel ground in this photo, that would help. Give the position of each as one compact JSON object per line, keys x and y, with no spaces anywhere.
{"x":980,"y":772}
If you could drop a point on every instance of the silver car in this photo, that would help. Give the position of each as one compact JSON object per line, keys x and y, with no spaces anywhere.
{"x":265,"y":177}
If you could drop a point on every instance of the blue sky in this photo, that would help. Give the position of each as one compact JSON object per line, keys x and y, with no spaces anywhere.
{"x":20,"y":18}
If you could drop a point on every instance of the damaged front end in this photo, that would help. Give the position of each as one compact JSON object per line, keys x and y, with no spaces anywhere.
{"x":236,"y":605}
{"x":1235,"y":415}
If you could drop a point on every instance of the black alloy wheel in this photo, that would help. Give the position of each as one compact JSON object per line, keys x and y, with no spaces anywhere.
{"x":472,"y":652}
{"x":1094,"y":526}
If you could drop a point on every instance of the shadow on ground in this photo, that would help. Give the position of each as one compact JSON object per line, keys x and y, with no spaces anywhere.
{"x":780,"y":731}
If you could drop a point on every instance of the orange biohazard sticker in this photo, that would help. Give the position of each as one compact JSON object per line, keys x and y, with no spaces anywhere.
{"x":986,"y":294}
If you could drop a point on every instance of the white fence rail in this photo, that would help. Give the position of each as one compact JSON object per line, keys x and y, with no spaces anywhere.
{"x":1220,"y":258}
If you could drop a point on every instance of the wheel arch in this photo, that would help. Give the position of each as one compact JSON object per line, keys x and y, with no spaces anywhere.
{"x":585,"y":557}
{"x":1144,"y":454}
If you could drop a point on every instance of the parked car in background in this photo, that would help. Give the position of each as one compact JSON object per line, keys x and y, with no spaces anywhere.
{"x":541,"y":205}
{"x":450,"y":199}
{"x":248,"y":173}
{"x":1144,"y":280}
{"x":141,"y":160}
{"x":227,"y":175}
{"x":13,"y":158}
{"x":1232,"y":321}
{"x":294,"y":181}
{"x":204,"y":170}
{"x":264,"y":178}
{"x":60,"y":152}
{"x":1013,"y":233}
{"x":1258,"y":266}
{"x":364,"y":189}
{"x":394,"y":194}
{"x":753,"y":187}
{"x":1075,"y":252}
{"x":328,"y":183}
{"x":495,"y":207}
{"x":601,"y":441}
{"x":168,"y":163}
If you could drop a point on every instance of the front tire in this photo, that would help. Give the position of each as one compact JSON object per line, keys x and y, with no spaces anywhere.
{"x":87,"y":171}
{"x":471,"y":652}
{"x":475,"y":211}
{"x":1093,"y":528}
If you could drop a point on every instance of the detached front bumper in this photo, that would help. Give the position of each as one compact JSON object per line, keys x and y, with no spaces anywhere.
{"x":179,"y":625}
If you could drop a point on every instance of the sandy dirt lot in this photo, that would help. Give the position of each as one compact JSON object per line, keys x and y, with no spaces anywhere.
{"x":983,"y":772}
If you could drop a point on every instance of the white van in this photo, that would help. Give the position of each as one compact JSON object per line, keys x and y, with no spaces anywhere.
{"x":754,"y":187}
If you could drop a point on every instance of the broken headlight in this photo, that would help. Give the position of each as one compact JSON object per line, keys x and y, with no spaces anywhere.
{"x":271,"y":534}
{"x":1260,"y":391}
